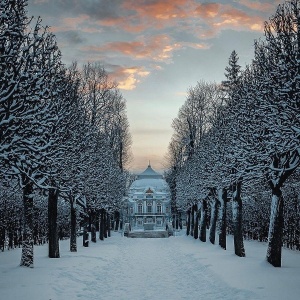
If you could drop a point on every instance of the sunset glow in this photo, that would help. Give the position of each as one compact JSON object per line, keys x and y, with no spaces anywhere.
{"x":155,"y":50}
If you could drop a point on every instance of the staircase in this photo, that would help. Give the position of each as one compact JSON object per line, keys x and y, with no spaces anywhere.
{"x":148,"y":234}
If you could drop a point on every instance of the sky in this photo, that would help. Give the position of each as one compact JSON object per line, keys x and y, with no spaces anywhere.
{"x":155,"y":50}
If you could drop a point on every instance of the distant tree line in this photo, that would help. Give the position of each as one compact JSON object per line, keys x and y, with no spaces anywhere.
{"x":238,"y":144}
{"x":64,"y":140}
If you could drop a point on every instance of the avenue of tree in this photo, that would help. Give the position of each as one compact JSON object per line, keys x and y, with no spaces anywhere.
{"x":65,"y":144}
{"x":238,"y":144}
{"x":64,"y":140}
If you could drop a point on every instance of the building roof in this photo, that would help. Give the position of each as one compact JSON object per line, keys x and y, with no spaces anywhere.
{"x":152,"y":183}
{"x":150,"y":180}
{"x":149,"y":173}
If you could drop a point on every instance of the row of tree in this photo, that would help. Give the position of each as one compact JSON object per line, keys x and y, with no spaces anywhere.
{"x":64,"y":132}
{"x":234,"y":141}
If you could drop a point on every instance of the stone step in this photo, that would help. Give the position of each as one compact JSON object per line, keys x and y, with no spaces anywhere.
{"x":148,"y":234}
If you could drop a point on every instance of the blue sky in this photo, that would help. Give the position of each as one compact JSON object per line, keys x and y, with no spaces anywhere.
{"x":155,"y":50}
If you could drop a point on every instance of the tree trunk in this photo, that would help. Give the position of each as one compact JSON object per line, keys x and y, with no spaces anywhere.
{"x":101,"y":229}
{"x":203,"y":219}
{"x":237,"y":220}
{"x":85,"y":237}
{"x":222,"y":199}
{"x":73,"y":238}
{"x":188,"y":215}
{"x":192,"y":220}
{"x":52,"y":224}
{"x":275,"y":229}
{"x":117,"y":220}
{"x":213,"y":221}
{"x":108,"y":224}
{"x":93,"y":227}
{"x":196,"y":231}
{"x":27,"y":245}
{"x":105,"y":224}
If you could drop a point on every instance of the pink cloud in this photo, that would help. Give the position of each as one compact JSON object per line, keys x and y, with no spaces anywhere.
{"x":259,"y":5}
{"x":156,"y":48}
{"x":142,"y":15}
{"x":220,"y":16}
{"x":160,"y":10}
{"x":232,"y":17}
{"x":129,"y":77}
{"x":207,"y":10}
{"x":81,"y":23}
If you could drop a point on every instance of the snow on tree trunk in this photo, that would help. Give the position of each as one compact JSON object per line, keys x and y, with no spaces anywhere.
{"x":52,"y":224}
{"x":27,"y":245}
{"x":73,"y":238}
{"x":222,"y":198}
{"x":275,"y":229}
{"x":213,"y":221}
{"x":237,"y":220}
{"x":202,"y":235}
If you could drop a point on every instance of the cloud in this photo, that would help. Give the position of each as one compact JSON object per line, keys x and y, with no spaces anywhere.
{"x":207,"y":10}
{"x":128,"y":77}
{"x":260,"y":5}
{"x":157,"y":48}
{"x":73,"y":37}
{"x":81,"y":23}
{"x":158,"y":9}
{"x":239,"y":19}
{"x":40,"y":1}
{"x":218,"y":17}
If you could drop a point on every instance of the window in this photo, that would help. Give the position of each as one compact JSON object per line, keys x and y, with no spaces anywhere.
{"x":159,"y":208}
{"x":140,"y":208}
{"x":149,"y":208}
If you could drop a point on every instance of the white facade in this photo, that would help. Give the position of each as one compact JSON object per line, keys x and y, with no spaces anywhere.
{"x":149,"y":201}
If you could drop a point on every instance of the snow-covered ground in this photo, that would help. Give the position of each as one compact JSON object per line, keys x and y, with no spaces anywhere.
{"x":171,"y":268}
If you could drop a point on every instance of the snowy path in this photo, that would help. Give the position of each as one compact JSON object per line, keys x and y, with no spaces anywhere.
{"x":173,"y":268}
{"x":155,"y":269}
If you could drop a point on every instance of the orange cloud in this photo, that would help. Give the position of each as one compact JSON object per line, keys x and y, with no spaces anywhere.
{"x":157,"y":48}
{"x":145,"y":14}
{"x":160,"y":10}
{"x":81,"y":23}
{"x":207,"y":10}
{"x":128,"y":78}
{"x":257,"y":5}
{"x":232,"y":17}
{"x":220,"y":16}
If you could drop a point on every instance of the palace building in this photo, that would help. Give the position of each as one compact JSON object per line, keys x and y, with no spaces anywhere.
{"x":149,"y":201}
